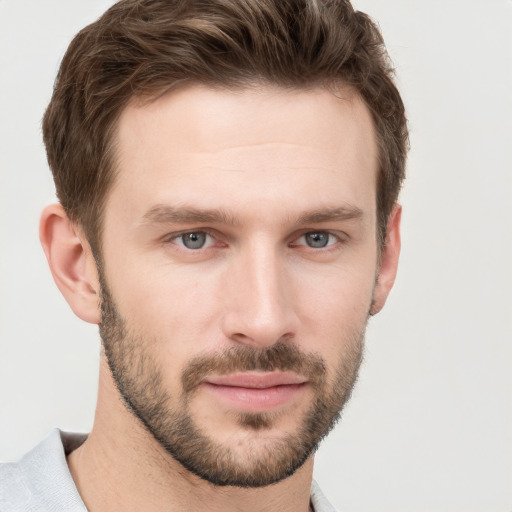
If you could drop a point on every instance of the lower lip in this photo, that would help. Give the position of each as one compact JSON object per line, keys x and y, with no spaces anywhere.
{"x":255,"y":399}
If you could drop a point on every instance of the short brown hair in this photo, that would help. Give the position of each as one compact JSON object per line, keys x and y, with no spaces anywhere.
{"x":141,"y":48}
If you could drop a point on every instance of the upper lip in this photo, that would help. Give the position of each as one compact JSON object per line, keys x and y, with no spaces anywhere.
{"x":256,"y":380}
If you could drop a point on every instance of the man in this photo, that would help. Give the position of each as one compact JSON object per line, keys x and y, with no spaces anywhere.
{"x":228,"y":176}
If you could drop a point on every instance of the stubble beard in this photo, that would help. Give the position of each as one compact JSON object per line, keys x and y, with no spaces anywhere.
{"x":140,"y":382}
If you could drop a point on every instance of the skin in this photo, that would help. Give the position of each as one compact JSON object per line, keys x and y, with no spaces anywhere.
{"x":268,"y":158}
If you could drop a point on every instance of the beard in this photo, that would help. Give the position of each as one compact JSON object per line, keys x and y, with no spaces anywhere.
{"x":139,"y":378}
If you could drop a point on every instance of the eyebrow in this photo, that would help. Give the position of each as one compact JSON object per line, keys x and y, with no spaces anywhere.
{"x":342,"y":213}
{"x":165,"y":214}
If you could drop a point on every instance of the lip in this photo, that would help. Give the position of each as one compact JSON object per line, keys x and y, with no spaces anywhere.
{"x":253,"y":392}
{"x":256,"y":380}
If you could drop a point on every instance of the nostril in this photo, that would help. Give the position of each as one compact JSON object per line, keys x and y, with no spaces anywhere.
{"x":261,"y":339}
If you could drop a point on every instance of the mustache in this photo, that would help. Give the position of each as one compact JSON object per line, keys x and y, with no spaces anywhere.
{"x":280,"y":356}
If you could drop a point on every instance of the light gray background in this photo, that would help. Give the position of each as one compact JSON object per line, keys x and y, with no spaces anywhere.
{"x":430,"y":424}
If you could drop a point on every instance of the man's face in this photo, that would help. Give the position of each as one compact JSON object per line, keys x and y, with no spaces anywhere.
{"x":239,"y":265}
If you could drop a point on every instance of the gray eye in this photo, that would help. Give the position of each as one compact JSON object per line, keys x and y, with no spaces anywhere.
{"x":194,"y":240}
{"x":317,"y":240}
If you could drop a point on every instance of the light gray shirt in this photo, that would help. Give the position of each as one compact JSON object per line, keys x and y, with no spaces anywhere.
{"x":41,"y":481}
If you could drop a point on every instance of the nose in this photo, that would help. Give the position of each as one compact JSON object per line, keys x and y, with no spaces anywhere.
{"x":260,"y":299}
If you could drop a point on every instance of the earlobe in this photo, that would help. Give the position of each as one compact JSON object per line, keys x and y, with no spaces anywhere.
{"x":388,"y":261}
{"x":71,"y":262}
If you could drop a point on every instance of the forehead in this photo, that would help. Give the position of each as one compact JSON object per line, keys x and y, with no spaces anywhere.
{"x":215,"y":146}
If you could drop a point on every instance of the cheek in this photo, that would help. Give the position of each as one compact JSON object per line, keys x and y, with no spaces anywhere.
{"x":174,"y":309}
{"x":341,"y":296}
{"x":335,"y":310}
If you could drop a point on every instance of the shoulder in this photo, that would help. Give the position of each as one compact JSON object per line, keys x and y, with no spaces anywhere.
{"x":319,"y":501}
{"x":40,"y":481}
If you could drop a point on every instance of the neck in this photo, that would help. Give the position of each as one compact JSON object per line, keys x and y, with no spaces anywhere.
{"x":122,"y":467}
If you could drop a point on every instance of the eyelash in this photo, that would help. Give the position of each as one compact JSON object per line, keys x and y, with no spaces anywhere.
{"x":175,"y":237}
{"x":328,"y":245}
{"x":333,"y":240}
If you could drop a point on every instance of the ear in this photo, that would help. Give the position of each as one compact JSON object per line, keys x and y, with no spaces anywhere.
{"x":388,"y":261}
{"x":71,"y":262}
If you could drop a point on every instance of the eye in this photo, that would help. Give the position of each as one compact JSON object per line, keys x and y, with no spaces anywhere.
{"x":317,"y":239}
{"x":194,"y":240}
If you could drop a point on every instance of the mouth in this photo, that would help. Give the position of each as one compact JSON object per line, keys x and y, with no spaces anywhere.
{"x":255,"y":392}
